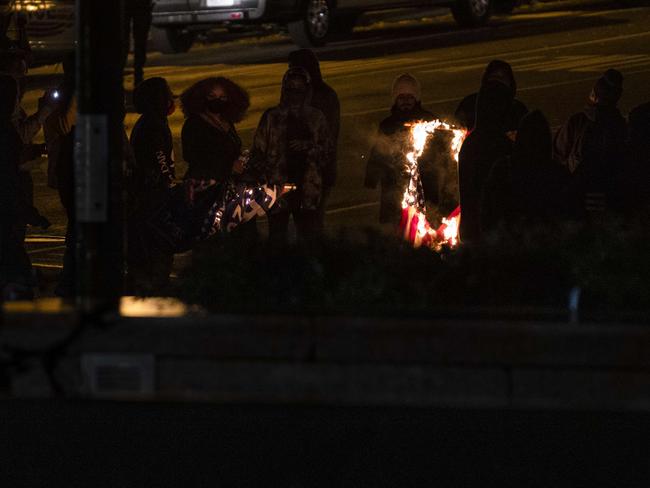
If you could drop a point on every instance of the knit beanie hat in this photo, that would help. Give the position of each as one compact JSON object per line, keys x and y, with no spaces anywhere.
{"x":609,"y":87}
{"x":406,"y":84}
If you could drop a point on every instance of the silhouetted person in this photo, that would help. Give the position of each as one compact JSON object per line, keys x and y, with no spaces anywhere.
{"x":16,"y":211}
{"x":14,"y":63}
{"x":529,"y":187}
{"x":150,"y":248}
{"x":591,"y":146}
{"x":387,"y":163}
{"x":638,"y":158}
{"x":59,"y":123}
{"x":499,"y":71}
{"x":10,"y":155}
{"x":138,"y":13}
{"x":211,"y":145}
{"x":292,"y":145}
{"x":325,"y":99}
{"x":485,"y":145}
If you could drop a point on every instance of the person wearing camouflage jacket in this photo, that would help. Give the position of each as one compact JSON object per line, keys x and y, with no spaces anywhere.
{"x":293,"y":146}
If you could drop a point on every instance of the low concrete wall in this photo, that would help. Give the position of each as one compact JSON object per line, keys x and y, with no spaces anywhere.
{"x":346,"y":361}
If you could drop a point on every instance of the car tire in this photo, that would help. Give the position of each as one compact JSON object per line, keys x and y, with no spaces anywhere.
{"x":472,"y":13}
{"x":314,"y":26}
{"x":505,"y":6}
{"x":170,"y":40}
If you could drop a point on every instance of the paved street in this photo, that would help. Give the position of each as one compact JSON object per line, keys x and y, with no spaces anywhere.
{"x":557,"y":50}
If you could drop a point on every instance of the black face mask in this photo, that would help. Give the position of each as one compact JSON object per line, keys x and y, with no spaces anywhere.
{"x":217,"y":105}
{"x":226,"y":109}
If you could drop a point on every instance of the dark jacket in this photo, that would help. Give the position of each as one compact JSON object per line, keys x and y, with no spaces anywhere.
{"x":15,"y":203}
{"x":638,"y":158}
{"x":152,"y":144}
{"x":528,"y":188}
{"x":485,"y":145}
{"x":591,"y":146}
{"x":387,"y":163}
{"x":325,"y":99}
{"x":209,"y":151}
{"x":10,"y":147}
{"x":466,"y":113}
{"x":270,"y":160}
{"x":501,"y":71}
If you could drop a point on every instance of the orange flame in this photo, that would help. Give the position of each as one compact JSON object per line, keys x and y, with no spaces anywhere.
{"x":414,"y":223}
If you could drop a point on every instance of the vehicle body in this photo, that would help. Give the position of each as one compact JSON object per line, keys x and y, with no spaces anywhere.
{"x":310,"y":22}
{"x":50,"y":26}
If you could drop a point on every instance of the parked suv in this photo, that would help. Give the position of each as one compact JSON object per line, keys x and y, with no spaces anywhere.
{"x":310,"y":22}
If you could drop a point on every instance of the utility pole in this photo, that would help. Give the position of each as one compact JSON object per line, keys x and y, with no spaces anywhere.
{"x":99,"y":161}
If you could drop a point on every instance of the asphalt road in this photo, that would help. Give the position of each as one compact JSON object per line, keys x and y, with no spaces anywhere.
{"x":557,"y":50}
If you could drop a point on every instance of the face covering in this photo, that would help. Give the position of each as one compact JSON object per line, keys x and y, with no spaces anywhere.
{"x":217,"y":105}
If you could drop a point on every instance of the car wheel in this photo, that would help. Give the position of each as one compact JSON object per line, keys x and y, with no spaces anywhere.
{"x":471,"y":13}
{"x":313,"y":28}
{"x":505,"y":6}
{"x":171,"y":40}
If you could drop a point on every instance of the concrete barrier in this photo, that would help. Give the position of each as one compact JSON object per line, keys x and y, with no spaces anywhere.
{"x":342,"y":361}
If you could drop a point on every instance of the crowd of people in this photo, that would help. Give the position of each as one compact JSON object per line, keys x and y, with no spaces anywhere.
{"x":515,"y":173}
{"x":512,"y":170}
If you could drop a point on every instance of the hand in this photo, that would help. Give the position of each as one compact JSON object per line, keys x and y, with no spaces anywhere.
{"x":50,"y":99}
{"x":300,"y":145}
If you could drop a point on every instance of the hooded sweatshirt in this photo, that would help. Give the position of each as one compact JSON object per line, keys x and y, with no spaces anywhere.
{"x":496,"y":71}
{"x":529,"y":187}
{"x":151,"y":138}
{"x":485,"y":145}
{"x":271,"y":159}
{"x":325,"y":99}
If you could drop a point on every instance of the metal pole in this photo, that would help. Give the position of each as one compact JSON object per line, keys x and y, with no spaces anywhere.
{"x":99,"y":162}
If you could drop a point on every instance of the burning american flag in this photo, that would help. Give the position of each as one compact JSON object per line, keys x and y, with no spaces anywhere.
{"x":414,"y":225}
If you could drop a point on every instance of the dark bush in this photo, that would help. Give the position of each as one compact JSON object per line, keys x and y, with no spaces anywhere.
{"x":376,"y":275}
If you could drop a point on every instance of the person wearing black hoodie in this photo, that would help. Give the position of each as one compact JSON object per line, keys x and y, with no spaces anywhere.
{"x":500,"y":71}
{"x":485,"y":145}
{"x":591,"y":146}
{"x":387,"y":165}
{"x":528,"y":188}
{"x":151,"y":137}
{"x":150,"y":251}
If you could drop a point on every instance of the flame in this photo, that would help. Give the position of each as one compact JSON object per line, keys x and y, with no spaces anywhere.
{"x":450,"y":234}
{"x":414,"y":222}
